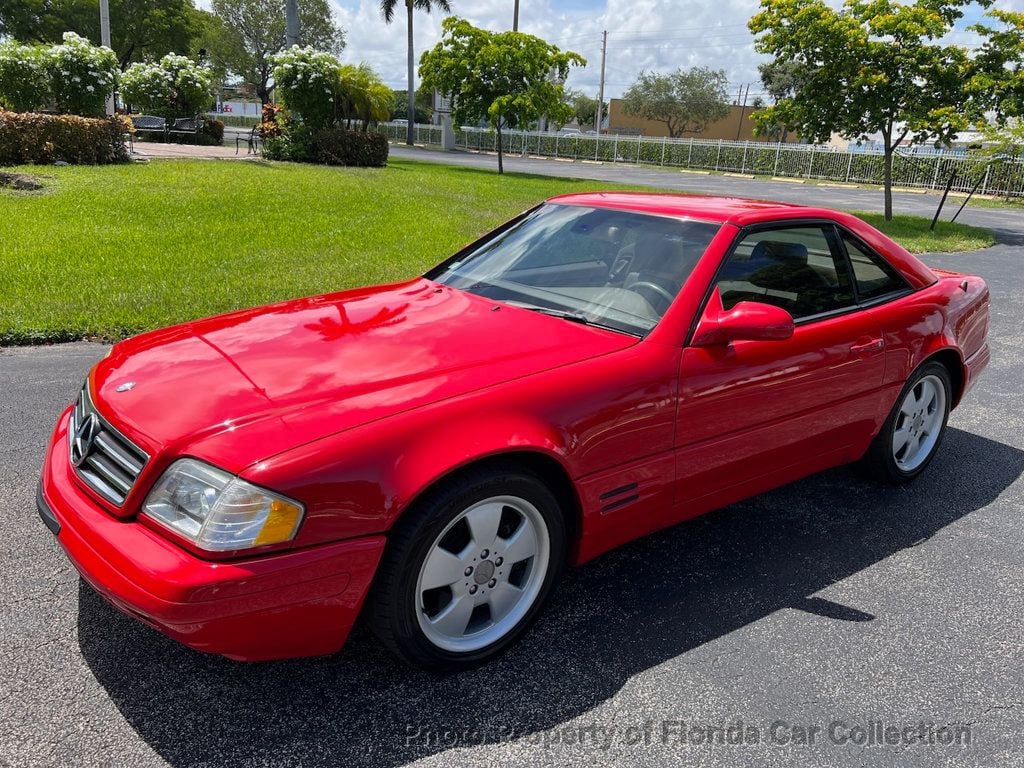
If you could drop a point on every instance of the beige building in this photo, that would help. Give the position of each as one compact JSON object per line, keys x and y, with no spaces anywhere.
{"x":736,"y":126}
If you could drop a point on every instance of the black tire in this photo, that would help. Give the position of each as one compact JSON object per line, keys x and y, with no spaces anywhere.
{"x":880,"y":463}
{"x":392,"y":605}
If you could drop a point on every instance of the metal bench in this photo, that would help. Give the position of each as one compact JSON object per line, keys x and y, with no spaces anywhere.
{"x":252,"y":141}
{"x":186,"y":126}
{"x":149,"y":124}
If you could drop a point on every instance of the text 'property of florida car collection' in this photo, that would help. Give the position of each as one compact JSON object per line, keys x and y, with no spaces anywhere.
{"x":429,"y":455}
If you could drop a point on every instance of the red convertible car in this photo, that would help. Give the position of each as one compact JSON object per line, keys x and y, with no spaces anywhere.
{"x":430,"y":454}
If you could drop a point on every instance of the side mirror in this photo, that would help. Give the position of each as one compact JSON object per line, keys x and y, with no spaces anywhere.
{"x":747,"y":321}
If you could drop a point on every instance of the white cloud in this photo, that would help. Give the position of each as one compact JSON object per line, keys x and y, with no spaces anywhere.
{"x":652,"y":34}
{"x":643,"y":34}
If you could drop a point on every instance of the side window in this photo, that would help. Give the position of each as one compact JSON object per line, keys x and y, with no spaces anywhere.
{"x":873,"y":275}
{"x":799,"y":269}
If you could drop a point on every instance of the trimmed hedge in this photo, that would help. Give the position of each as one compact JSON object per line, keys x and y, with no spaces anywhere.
{"x":337,"y":146}
{"x":329,"y":146}
{"x":32,"y":138}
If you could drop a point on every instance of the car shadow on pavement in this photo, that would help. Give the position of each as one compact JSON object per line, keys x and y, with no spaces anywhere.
{"x":632,"y":609}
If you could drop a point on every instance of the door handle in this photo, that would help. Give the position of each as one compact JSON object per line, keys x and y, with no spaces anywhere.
{"x":866,"y":346}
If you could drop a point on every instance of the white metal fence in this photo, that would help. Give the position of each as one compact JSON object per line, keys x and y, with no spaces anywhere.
{"x":925,"y":170}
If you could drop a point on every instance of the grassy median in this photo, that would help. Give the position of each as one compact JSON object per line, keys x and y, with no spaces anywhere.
{"x":108,"y":251}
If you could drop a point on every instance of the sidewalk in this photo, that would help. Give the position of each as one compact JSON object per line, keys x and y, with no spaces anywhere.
{"x":151,"y":149}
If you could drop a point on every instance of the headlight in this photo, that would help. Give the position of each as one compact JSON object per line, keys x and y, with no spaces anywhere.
{"x":219,"y":511}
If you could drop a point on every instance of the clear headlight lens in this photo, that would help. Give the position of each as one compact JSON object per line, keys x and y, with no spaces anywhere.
{"x":219,"y":511}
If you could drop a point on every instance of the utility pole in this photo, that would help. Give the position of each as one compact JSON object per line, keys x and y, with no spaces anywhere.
{"x":105,"y":40}
{"x":600,"y":91}
{"x":291,"y":34}
{"x":515,"y":18}
{"x":743,"y":109}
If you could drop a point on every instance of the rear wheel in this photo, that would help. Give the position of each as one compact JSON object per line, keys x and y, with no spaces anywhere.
{"x":468,"y":570}
{"x":911,"y":436}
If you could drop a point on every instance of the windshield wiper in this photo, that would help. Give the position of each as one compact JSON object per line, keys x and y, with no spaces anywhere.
{"x":574,"y":317}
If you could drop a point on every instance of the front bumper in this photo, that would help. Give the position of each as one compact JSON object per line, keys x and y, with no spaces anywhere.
{"x":284,"y":605}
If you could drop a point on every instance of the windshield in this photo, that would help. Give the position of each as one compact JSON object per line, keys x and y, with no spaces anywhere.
{"x":616,"y":269}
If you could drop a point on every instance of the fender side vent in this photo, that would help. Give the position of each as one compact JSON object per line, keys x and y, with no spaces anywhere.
{"x":617,"y":497}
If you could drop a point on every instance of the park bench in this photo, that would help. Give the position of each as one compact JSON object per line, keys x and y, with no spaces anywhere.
{"x":186,"y":126}
{"x":252,"y":140}
{"x":149,"y":124}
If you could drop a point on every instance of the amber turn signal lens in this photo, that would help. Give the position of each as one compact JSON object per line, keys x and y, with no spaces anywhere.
{"x":280,"y":523}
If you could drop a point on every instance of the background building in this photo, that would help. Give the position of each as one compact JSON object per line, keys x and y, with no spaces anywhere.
{"x":736,"y":126}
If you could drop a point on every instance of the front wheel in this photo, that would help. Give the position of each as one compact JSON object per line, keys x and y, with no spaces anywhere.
{"x":468,"y":570}
{"x":911,"y":436}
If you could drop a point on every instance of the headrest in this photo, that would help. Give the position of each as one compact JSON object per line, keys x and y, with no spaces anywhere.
{"x":774,"y":250}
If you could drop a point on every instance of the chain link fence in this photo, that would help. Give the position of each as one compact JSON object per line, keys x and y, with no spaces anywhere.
{"x":920,"y":169}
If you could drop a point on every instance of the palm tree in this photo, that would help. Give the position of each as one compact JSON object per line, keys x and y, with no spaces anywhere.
{"x":387,"y":7}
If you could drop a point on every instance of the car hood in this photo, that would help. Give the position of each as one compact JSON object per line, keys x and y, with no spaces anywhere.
{"x":241,"y":387}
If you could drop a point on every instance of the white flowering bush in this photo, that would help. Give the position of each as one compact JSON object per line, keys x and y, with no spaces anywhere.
{"x":308,"y":82}
{"x":24,"y":80}
{"x":82,"y":75}
{"x":174,"y":87}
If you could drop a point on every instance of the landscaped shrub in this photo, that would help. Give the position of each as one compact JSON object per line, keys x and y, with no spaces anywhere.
{"x":308,"y":82}
{"x":213,"y":130}
{"x":272,"y":120}
{"x":292,"y":142}
{"x":337,"y":146}
{"x":82,"y":75}
{"x":73,"y":78}
{"x":175,"y":87}
{"x":329,"y":146}
{"x":27,"y":137}
{"x":24,"y":79}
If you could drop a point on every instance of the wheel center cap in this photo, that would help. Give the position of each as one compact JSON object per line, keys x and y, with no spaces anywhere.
{"x":484,"y":572}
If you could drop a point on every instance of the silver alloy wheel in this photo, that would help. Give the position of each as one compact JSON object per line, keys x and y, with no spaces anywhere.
{"x":919,"y":423}
{"x":482,"y":574}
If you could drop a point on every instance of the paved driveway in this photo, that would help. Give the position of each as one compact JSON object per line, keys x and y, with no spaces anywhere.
{"x":830,"y":601}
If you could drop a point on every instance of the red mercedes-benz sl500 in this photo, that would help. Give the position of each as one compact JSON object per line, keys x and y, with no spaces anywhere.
{"x":430,"y":454}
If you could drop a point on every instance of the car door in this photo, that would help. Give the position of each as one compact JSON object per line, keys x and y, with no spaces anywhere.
{"x":756,"y":414}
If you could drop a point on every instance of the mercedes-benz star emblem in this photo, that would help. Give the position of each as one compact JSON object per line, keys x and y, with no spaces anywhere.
{"x":85,"y":436}
{"x":128,"y":385}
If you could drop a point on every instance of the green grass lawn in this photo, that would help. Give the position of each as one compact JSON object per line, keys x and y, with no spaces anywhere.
{"x":109,"y":251}
{"x":913,"y":233}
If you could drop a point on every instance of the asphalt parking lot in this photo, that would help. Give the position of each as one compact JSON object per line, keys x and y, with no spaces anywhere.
{"x":833,"y":604}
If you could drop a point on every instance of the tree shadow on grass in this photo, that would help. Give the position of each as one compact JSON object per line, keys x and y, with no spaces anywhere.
{"x":610,"y":620}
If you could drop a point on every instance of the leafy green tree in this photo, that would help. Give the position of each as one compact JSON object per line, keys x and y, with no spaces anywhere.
{"x":387,"y":8}
{"x":507,"y":78}
{"x":251,"y":31}
{"x":584,"y":108}
{"x":998,"y":77}
{"x":139,"y":29}
{"x":870,"y":67}
{"x":685,"y":100}
{"x":781,"y":80}
{"x":424,"y":105}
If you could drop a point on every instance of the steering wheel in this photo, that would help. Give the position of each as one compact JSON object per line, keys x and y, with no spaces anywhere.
{"x":666,"y":297}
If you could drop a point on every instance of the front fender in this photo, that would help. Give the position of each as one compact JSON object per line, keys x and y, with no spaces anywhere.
{"x":357,"y":484}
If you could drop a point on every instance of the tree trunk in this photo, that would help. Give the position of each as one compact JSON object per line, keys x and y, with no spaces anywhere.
{"x":501,"y":168}
{"x":410,"y":130}
{"x":887,"y":176}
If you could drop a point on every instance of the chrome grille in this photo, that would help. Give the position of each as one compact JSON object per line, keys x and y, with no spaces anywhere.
{"x":103,"y":458}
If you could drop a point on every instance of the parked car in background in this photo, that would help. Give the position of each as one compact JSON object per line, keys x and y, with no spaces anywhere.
{"x":600,"y":367}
